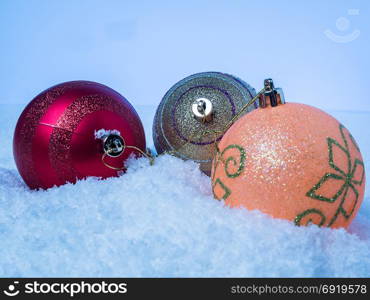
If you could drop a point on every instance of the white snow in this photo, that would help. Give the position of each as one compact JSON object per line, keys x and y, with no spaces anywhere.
{"x":104,"y":132}
{"x":162,"y":221}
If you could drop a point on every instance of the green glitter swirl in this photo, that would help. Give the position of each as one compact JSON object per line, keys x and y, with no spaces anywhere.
{"x":311,"y":211}
{"x":231,"y":159}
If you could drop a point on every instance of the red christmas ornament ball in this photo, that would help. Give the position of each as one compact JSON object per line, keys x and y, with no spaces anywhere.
{"x":74,"y":130}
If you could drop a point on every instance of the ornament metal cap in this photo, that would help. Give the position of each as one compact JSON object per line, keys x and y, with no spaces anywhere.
{"x":271,"y":96}
{"x":202,"y":109}
{"x":113,"y":145}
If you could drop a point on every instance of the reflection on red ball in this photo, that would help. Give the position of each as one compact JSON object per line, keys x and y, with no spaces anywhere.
{"x":55,"y":142}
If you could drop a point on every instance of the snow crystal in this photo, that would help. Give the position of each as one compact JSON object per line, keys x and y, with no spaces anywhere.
{"x":103,"y":132}
{"x":161,"y":221}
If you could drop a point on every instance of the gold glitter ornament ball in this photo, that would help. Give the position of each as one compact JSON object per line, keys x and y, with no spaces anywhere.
{"x":194,"y":111}
{"x":291,"y":161}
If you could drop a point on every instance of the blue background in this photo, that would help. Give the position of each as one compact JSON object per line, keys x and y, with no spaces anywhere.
{"x":141,"y":48}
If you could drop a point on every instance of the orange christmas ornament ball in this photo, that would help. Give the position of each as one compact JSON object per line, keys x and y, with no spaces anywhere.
{"x":291,"y":161}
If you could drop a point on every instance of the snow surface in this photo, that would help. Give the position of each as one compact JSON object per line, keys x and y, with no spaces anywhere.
{"x":162,"y":221}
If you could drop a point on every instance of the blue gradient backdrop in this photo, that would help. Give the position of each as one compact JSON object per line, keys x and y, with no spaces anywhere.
{"x":141,"y":48}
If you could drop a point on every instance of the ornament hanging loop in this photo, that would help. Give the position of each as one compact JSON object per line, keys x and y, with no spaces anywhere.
{"x":271,"y":96}
{"x":114,"y":146}
{"x":202,"y":109}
